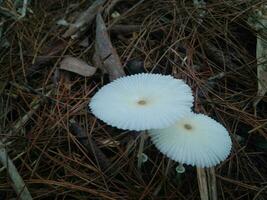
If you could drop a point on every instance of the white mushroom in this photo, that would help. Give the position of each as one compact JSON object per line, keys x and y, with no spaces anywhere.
{"x":142,"y":102}
{"x":196,"y":140}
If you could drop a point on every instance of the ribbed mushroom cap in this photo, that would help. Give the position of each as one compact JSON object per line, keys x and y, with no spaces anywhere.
{"x":196,"y":140}
{"x":142,"y":101}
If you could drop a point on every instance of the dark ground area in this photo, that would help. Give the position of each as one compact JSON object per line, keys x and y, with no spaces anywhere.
{"x":62,"y":151}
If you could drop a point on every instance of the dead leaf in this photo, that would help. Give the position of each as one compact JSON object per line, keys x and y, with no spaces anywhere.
{"x":105,"y":51}
{"x":77,"y":66}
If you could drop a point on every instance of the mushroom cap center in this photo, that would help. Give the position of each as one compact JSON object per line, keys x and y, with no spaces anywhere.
{"x":188,"y":126}
{"x":142,"y":102}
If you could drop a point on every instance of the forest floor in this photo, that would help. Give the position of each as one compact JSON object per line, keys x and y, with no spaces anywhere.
{"x":61,"y":151}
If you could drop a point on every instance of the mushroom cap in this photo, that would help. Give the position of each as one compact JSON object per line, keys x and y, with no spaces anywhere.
{"x":142,"y":101}
{"x":196,"y":140}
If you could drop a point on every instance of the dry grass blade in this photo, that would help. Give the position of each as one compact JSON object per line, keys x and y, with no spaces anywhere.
{"x":90,"y":145}
{"x":18,"y":183}
{"x":107,"y":55}
{"x":75,"y":187}
{"x":35,"y":104}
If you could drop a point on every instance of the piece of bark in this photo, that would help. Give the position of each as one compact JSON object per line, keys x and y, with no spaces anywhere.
{"x":108,"y":56}
{"x":84,"y":19}
{"x":260,"y":25}
{"x":77,"y":66}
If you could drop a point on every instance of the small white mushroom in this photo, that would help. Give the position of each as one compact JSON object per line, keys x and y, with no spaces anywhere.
{"x":196,"y":140}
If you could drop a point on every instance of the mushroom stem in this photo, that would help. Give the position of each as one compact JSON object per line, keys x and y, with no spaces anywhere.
{"x":202,"y":184}
{"x":207,"y":183}
{"x":141,"y":149}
